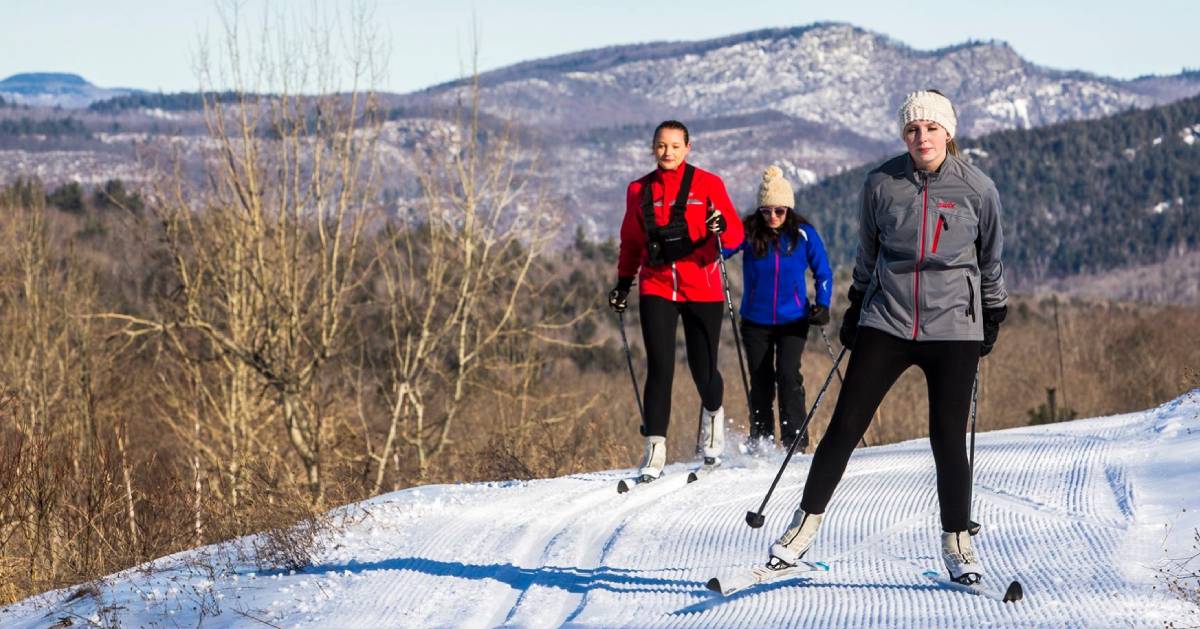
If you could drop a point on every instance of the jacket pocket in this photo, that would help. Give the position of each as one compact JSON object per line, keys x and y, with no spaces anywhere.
{"x":953,"y":234}
{"x":970,"y":297}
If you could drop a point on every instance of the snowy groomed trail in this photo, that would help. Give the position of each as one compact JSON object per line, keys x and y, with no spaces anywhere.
{"x":1084,"y":513}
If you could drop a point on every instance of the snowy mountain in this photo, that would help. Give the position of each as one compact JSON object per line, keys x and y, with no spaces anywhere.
{"x":54,"y":89}
{"x":815,"y":99}
{"x":827,"y":73}
{"x":1087,"y":514}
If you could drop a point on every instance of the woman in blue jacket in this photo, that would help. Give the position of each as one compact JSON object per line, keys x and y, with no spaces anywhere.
{"x":780,"y":247}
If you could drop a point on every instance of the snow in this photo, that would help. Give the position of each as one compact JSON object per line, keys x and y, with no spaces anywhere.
{"x":1188,"y":134}
{"x":158,"y":112}
{"x":1084,"y":513}
{"x":975,"y":153}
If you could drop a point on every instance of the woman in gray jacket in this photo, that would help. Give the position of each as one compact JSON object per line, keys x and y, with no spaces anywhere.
{"x":928,"y":291}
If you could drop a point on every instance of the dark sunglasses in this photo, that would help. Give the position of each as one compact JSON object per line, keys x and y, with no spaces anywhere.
{"x":777,"y":211}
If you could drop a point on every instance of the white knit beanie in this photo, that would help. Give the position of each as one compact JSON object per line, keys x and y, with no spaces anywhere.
{"x":775,"y":191}
{"x":928,"y":106}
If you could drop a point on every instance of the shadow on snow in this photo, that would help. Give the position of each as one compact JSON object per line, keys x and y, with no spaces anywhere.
{"x":717,"y":600}
{"x":570,"y":579}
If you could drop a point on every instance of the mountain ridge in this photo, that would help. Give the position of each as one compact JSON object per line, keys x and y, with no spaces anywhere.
{"x":787,"y":69}
{"x":56,"y":89}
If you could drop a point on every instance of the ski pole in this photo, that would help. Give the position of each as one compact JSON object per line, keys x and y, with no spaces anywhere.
{"x":629,"y":360}
{"x":756,"y":519}
{"x":973,"y":526}
{"x":737,"y":339}
{"x":829,"y":350}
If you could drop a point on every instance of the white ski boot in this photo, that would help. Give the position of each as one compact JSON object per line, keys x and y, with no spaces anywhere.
{"x":961,"y":561}
{"x":712,"y":435}
{"x":654,"y":459}
{"x":791,"y":546}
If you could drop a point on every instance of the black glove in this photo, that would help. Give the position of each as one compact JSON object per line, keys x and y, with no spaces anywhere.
{"x":991,"y":327}
{"x":849,"y":330}
{"x":716,"y":221}
{"x":818,"y":315}
{"x":618,"y":297}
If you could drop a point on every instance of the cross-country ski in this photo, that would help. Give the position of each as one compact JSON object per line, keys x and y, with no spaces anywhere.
{"x":737,"y":581}
{"x":1010,"y":593}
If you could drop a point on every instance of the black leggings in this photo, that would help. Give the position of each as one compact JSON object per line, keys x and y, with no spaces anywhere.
{"x":877,"y":361}
{"x":702,"y":335}
{"x":773,"y":353}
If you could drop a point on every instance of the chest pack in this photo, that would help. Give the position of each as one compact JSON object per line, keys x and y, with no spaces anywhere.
{"x":668,"y":243}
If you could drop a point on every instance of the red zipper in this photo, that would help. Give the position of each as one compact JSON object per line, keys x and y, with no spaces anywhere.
{"x":921,"y":257}
{"x":937,"y":233}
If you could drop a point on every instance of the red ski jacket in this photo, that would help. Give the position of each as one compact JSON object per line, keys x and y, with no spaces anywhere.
{"x":694,"y":277}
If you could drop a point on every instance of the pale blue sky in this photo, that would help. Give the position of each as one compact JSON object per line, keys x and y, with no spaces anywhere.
{"x":149,"y":44}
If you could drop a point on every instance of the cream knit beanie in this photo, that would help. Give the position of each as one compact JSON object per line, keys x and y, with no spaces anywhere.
{"x":928,"y":106}
{"x":775,"y":191}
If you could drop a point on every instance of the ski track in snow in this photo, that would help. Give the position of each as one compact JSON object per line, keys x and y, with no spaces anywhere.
{"x":1075,"y":511}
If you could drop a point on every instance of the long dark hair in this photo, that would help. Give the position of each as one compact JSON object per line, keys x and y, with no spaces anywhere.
{"x":761,"y":236}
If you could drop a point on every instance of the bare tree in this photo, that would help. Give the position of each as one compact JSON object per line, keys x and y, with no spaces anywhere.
{"x":269,"y":249}
{"x":58,"y":423}
{"x":458,"y":280}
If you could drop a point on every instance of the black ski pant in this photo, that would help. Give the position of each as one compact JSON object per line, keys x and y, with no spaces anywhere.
{"x":773,"y":353}
{"x":702,"y":335}
{"x":876,"y":362}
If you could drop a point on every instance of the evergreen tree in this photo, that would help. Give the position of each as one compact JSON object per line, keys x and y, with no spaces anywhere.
{"x":67,"y":197}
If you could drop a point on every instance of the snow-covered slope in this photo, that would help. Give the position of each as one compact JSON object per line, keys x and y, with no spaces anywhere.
{"x":1083,"y":513}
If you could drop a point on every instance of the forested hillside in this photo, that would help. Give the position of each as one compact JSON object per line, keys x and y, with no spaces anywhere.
{"x":1079,"y":197}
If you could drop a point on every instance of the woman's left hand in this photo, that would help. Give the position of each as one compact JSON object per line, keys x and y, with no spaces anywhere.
{"x":992,"y":317}
{"x":818,"y":315}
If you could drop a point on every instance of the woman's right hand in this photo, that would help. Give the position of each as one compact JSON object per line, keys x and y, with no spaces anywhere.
{"x":849,"y":331}
{"x":618,"y":297}
{"x":618,"y":300}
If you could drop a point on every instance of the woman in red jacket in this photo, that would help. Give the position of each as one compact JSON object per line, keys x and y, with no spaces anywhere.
{"x":684,"y":208}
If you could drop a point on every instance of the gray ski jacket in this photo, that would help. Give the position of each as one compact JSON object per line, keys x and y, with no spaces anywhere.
{"x":929,"y":251}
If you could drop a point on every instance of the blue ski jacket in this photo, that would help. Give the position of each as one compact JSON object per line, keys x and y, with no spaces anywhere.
{"x":773,"y":287}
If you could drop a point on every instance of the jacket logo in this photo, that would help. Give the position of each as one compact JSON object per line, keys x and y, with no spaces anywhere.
{"x":946,"y":205}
